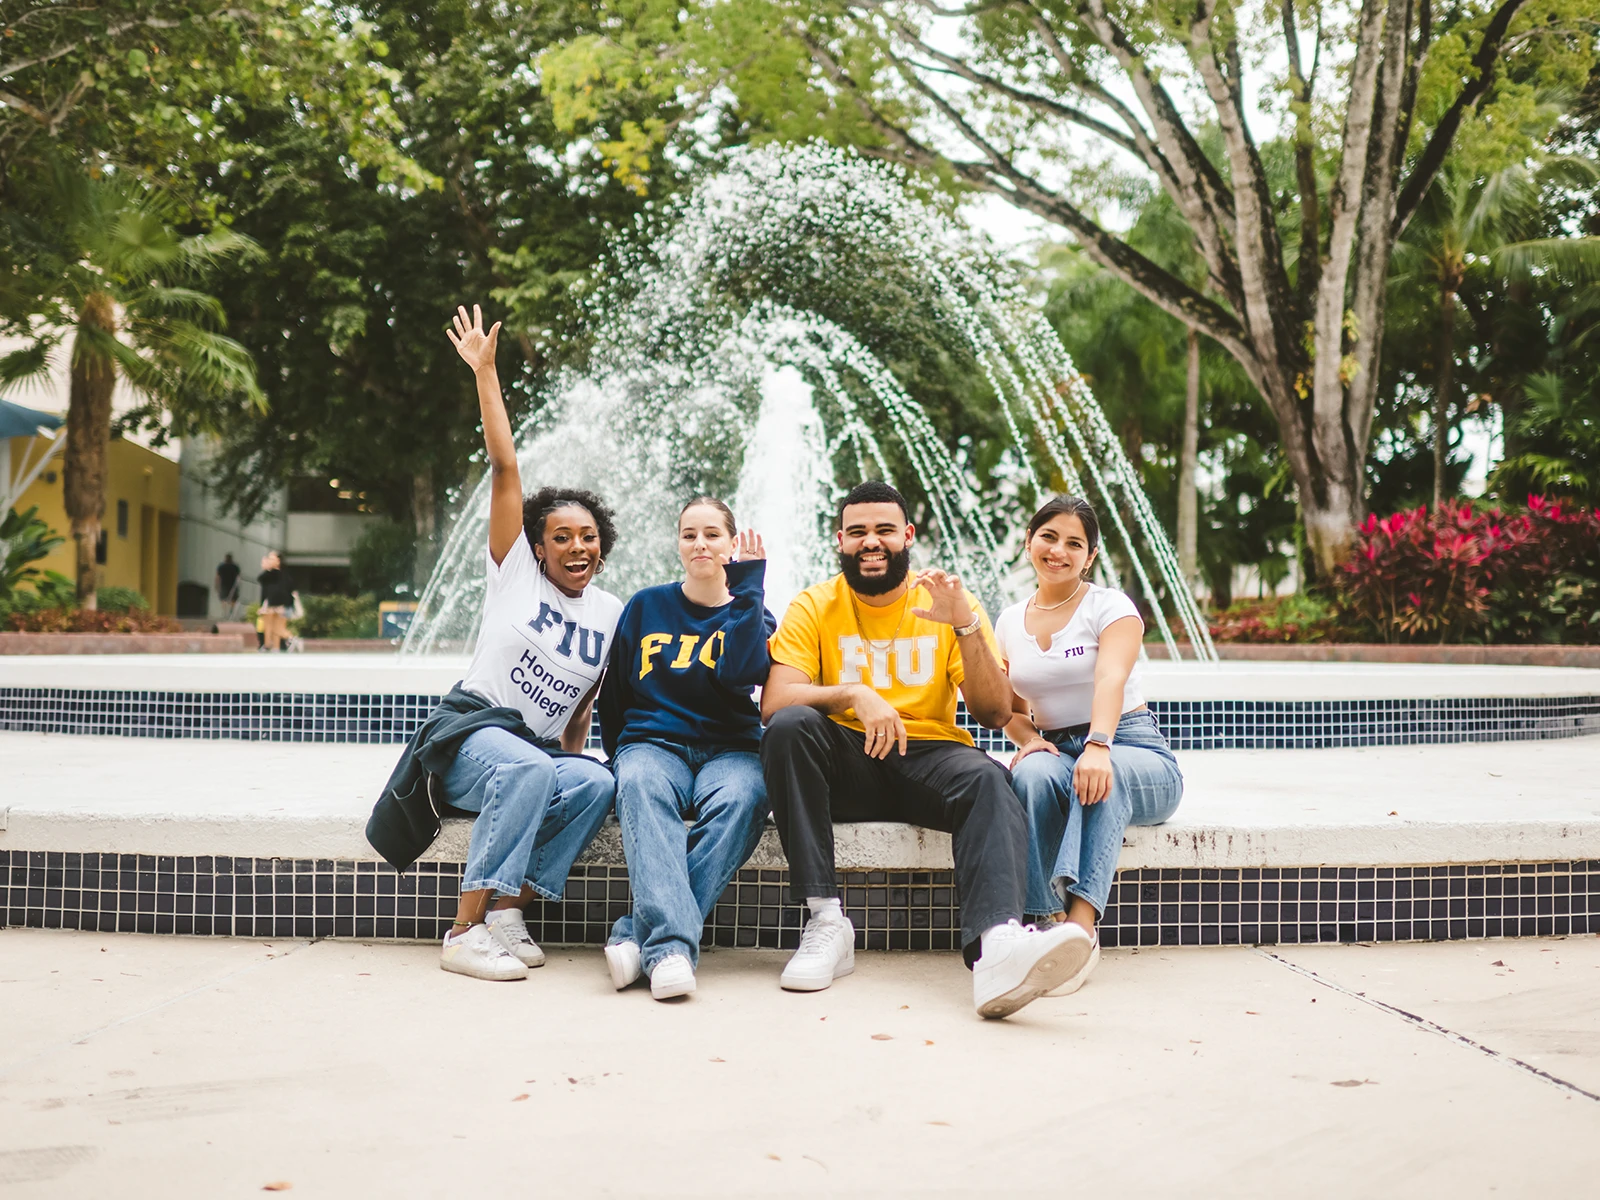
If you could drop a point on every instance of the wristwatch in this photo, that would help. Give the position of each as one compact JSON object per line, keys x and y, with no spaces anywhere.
{"x":971,"y":627}
{"x":1096,"y":738}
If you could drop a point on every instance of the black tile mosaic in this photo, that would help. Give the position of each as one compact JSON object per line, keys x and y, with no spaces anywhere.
{"x":1188,"y":724}
{"x":894,"y":910}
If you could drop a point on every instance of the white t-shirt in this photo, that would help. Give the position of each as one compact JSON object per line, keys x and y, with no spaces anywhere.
{"x":539,"y":650}
{"x":1058,"y":683}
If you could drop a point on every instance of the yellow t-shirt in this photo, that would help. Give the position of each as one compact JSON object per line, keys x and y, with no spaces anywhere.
{"x":915,"y":665}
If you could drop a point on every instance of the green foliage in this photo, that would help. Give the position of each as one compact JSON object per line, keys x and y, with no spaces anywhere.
{"x":115,"y":237}
{"x":120,"y":600}
{"x":382,"y":560}
{"x":24,"y":540}
{"x":149,"y":84}
{"x":346,"y":314}
{"x":337,"y":617}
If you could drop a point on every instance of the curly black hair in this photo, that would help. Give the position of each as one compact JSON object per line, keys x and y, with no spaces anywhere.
{"x":537,"y":508}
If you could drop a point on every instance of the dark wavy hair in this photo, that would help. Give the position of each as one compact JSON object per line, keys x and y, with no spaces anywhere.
{"x":1075,"y":506}
{"x":536,"y":509}
{"x":873,"y":491}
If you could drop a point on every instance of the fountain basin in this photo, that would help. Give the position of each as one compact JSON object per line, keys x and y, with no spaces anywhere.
{"x":1228,"y":705}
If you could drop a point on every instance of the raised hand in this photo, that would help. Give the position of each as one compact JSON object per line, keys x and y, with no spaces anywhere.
{"x":476,"y":347}
{"x":949,"y":599}
{"x":748,"y":546}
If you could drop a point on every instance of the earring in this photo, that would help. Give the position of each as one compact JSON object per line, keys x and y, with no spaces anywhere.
{"x":542,"y":567}
{"x":599,"y":566}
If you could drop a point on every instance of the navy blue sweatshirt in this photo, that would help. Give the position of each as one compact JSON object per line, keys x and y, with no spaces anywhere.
{"x":681,"y":672}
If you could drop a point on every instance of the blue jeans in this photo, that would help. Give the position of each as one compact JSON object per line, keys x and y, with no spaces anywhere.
{"x":1073,"y":849}
{"x":536,"y":812}
{"x":678,"y":874}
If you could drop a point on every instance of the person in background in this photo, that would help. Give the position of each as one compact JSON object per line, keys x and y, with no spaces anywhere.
{"x":1090,"y":758}
{"x":227,"y":587}
{"x":682,"y":731}
{"x":861,"y":726}
{"x":277,"y":601}
{"x":507,"y":742}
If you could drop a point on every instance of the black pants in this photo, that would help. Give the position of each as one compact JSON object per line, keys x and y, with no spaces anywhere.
{"x":818,"y":773}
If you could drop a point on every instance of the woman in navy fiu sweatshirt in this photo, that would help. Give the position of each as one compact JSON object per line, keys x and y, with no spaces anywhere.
{"x":682,"y":730}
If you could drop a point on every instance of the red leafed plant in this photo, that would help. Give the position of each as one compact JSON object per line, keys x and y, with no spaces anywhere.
{"x":1466,"y":574}
{"x":75,"y":620}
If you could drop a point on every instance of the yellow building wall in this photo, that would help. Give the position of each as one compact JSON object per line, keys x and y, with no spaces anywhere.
{"x":142,"y":552}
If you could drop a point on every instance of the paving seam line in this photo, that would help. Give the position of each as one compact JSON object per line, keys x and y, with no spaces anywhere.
{"x":79,"y":1039}
{"x":1443,"y":1031}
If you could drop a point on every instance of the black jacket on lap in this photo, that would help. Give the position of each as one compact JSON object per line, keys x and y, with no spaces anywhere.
{"x":411,"y":811}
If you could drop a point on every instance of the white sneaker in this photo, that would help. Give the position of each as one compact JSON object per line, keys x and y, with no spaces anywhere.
{"x":623,"y":959}
{"x":511,"y":931}
{"x":1022,"y":963}
{"x":478,"y":953}
{"x":827,"y":951}
{"x":672,"y":976}
{"x":1082,"y":977}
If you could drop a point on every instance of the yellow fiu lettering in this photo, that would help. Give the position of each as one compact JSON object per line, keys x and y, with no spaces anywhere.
{"x":649,"y":646}
{"x":652,"y":644}
{"x":913,"y":661}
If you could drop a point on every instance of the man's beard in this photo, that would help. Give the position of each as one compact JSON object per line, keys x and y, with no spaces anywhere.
{"x":896,"y":568}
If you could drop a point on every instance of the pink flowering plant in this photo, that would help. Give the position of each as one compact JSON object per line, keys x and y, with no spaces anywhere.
{"x":1463,"y":573}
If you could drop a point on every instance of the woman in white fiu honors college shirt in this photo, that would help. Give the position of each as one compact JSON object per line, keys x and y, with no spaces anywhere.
{"x":1090,"y":759}
{"x":542,"y":648}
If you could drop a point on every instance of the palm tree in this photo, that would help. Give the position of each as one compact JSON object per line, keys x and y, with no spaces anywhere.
{"x":121,"y":279}
{"x":1473,"y":223}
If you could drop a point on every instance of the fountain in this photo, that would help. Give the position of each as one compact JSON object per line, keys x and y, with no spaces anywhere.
{"x":731,"y":357}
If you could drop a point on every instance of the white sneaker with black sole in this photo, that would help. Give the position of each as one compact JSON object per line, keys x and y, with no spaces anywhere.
{"x":511,"y":931}
{"x":622,"y":959}
{"x":1020,"y":963}
{"x":478,"y":953}
{"x":827,"y":951}
{"x":1082,"y":977}
{"x":671,"y":977}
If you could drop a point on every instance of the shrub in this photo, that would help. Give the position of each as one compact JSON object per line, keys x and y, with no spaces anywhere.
{"x":1467,"y":574}
{"x":1297,"y":618}
{"x":75,"y":620}
{"x":119,"y":600}
{"x":337,"y":617}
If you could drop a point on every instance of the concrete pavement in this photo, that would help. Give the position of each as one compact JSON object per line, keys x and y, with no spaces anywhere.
{"x":175,"y":1067}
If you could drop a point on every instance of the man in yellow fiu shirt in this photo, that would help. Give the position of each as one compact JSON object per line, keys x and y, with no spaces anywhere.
{"x":860,"y":707}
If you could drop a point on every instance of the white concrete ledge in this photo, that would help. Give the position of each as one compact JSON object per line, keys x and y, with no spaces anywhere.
{"x":1383,"y":806}
{"x":401,"y":675}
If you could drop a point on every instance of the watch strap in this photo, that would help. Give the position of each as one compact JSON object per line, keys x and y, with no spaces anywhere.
{"x":1096,"y":738}
{"x":971,"y":627}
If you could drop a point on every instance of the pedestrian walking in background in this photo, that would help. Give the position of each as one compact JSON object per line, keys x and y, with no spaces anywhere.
{"x":277,"y":600}
{"x":227,"y":586}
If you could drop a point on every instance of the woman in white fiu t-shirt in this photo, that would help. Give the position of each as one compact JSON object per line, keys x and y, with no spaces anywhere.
{"x":542,"y":647}
{"x":1090,"y":758}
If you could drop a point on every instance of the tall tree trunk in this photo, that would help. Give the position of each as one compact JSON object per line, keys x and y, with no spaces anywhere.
{"x":93,"y":379}
{"x":1441,"y":399}
{"x":425,"y":517}
{"x":1188,"y":501}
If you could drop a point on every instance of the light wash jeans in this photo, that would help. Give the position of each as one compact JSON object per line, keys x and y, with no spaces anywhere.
{"x":536,"y":812}
{"x":679,"y":873}
{"x":1073,"y":849}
